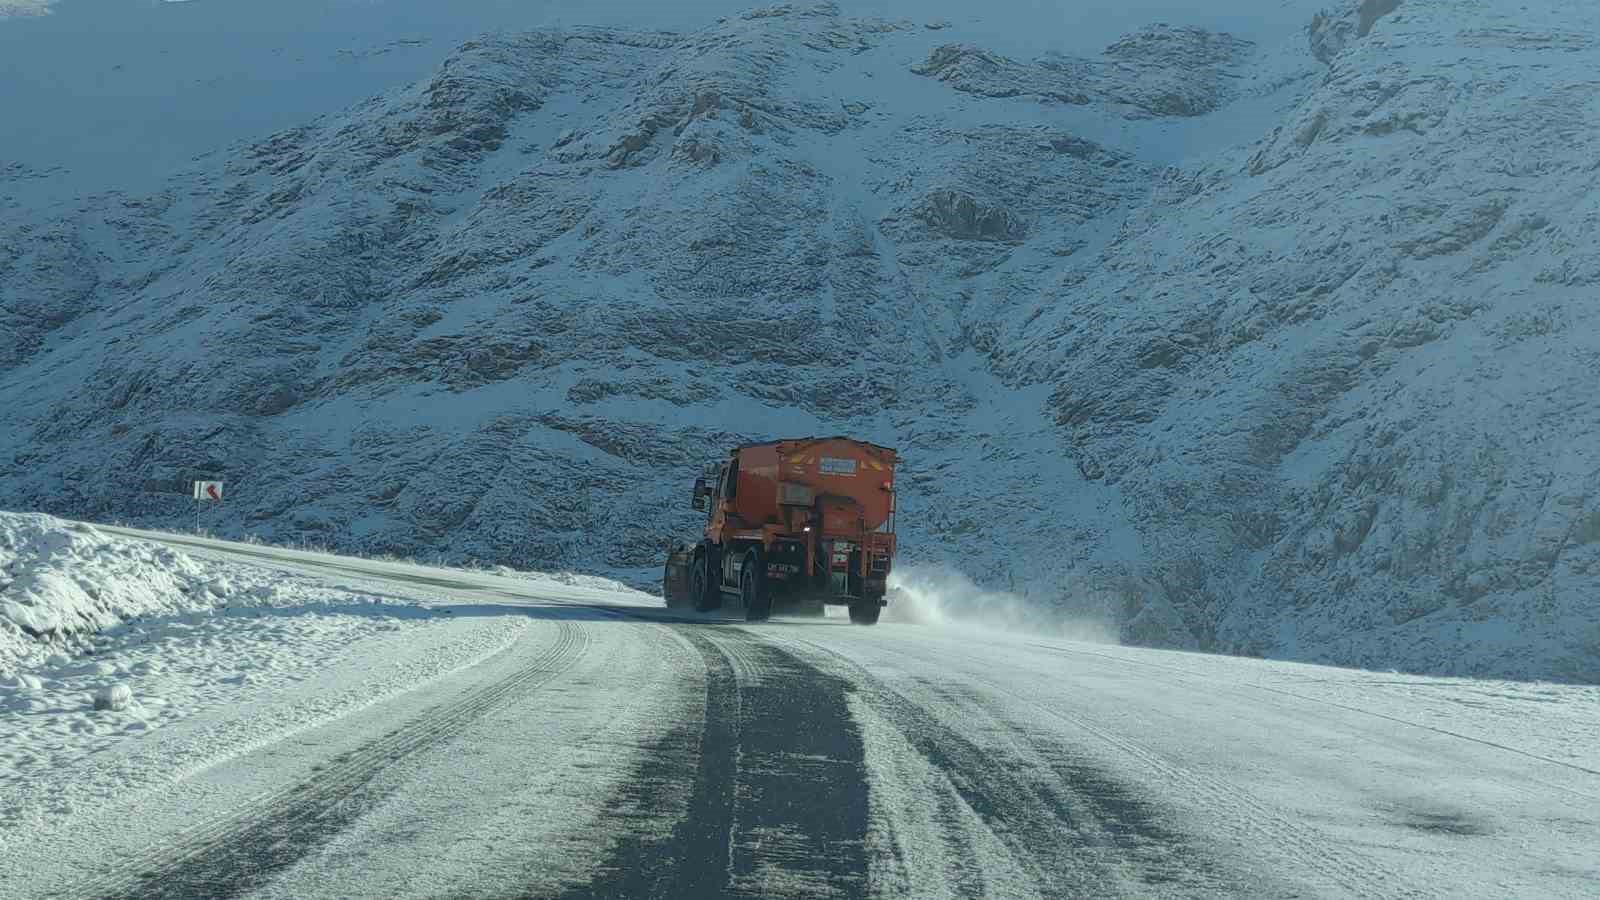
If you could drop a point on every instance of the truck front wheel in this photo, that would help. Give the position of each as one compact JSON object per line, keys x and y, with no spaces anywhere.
{"x":753,"y":589}
{"x":676,"y":583}
{"x":703,"y":586}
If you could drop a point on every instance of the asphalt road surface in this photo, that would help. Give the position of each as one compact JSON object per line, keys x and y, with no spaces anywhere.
{"x":619,"y":750}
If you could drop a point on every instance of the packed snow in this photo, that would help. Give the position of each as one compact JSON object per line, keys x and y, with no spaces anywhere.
{"x":1342,"y":781}
{"x":106,"y":641}
{"x":66,"y":587}
{"x":406,"y":739}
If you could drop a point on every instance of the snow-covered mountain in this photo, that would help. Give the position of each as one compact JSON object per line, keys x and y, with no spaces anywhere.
{"x":1281,"y":349}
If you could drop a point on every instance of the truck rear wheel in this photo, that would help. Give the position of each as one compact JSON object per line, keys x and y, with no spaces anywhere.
{"x":703,"y":587}
{"x":865,"y":613}
{"x":753,"y":589}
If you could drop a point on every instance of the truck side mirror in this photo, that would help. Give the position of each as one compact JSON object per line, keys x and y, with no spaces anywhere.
{"x":701,"y":489}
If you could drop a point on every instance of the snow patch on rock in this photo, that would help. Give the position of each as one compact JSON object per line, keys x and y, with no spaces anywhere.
{"x":25,"y":7}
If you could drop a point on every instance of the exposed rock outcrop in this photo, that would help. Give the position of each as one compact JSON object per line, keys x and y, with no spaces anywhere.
{"x":1157,"y":72}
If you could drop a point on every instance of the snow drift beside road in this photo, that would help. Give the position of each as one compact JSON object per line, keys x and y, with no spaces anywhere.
{"x":62,"y":582}
{"x":126,"y":665}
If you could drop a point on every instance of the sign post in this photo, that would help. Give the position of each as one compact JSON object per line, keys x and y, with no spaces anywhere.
{"x":205,"y":491}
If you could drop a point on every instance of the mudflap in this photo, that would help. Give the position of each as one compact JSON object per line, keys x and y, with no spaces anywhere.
{"x":675,"y":578}
{"x":807,"y":609}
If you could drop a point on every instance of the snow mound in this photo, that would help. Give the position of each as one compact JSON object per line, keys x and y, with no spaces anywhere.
{"x":21,"y":682}
{"x":60,"y":580}
{"x":115,"y":697}
{"x":140,"y":638}
{"x":61,"y":583}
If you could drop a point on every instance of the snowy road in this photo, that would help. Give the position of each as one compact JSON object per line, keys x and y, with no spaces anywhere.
{"x":609,"y":749}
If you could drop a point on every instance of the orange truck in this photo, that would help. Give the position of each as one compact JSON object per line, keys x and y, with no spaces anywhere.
{"x":799,"y":523}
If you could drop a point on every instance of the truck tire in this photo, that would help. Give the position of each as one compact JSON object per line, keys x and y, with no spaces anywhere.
{"x":753,"y":589}
{"x":675,"y":600}
{"x":865,"y":613}
{"x":703,"y":587}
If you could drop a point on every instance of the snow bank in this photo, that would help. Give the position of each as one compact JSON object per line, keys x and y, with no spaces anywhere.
{"x":62,"y":582}
{"x":105,"y":642}
{"x":162,"y":700}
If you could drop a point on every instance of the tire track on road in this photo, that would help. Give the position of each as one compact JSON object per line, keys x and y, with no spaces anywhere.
{"x":1254,"y":821}
{"x":692,"y":860}
{"x":231,"y":856}
{"x":775,"y":780}
{"x":1074,"y":829}
{"x":1355,"y":876}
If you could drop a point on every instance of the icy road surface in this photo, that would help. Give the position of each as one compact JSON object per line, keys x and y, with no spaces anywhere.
{"x":606,"y":748}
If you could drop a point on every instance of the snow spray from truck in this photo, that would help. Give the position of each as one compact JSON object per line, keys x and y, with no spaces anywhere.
{"x":942,"y":597}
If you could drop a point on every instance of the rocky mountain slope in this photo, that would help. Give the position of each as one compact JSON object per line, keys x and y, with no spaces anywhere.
{"x":1284,"y":350}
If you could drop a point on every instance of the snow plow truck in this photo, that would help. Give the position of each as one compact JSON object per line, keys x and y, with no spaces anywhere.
{"x":800,"y":524}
